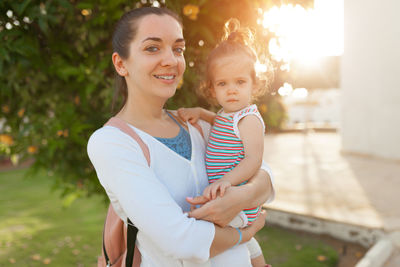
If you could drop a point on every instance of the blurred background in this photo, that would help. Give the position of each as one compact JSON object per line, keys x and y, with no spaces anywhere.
{"x":57,"y":80}
{"x":331,"y":110}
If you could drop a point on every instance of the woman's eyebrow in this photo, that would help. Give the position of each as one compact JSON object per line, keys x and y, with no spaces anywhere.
{"x":157,"y":39}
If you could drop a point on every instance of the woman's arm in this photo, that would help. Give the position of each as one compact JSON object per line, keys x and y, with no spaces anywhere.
{"x":127,"y":179}
{"x":222,"y":210}
{"x":138,"y":194}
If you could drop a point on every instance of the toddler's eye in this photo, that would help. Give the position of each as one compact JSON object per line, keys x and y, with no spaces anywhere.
{"x":221,"y":83}
{"x":241,"y":81}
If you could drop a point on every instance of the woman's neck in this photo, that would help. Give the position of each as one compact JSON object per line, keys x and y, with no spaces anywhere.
{"x":139,"y":110}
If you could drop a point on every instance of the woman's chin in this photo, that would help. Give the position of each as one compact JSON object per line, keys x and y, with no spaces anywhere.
{"x":168,"y":93}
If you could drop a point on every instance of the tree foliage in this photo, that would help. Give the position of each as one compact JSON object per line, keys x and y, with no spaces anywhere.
{"x":56,"y":76}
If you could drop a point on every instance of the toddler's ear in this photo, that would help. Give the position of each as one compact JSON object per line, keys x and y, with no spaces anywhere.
{"x":212,"y":91}
{"x":213,"y":97}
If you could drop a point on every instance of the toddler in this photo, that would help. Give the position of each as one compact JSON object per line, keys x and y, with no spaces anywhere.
{"x":236,"y":142}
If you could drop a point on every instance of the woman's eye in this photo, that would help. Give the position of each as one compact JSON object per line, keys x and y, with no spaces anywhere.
{"x":152,"y":49}
{"x":180,"y":50}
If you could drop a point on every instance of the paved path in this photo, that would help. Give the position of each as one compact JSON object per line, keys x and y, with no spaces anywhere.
{"x":313,"y":178}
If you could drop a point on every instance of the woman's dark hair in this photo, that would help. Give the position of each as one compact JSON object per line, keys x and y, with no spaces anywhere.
{"x":236,"y":39}
{"x":124,"y":33}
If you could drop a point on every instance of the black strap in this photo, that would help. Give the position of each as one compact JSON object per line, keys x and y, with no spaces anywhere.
{"x":104,"y":247}
{"x":131,"y":234}
{"x":130,"y":243}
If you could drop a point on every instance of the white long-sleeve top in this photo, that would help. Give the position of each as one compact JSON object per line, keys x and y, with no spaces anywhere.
{"x":154,"y":197}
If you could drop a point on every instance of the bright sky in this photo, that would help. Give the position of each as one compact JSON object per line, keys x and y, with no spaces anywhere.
{"x":305,"y":35}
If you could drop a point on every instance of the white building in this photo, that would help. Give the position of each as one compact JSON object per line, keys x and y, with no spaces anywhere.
{"x":370,"y":78}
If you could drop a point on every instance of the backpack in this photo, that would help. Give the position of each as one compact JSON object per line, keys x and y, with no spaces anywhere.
{"x":119,"y":249}
{"x":118,"y":240}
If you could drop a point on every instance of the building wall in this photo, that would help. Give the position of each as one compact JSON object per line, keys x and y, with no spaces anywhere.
{"x":370,"y":78}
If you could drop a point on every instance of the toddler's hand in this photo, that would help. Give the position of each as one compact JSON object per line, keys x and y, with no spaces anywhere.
{"x":220,"y":185}
{"x":189,"y":114}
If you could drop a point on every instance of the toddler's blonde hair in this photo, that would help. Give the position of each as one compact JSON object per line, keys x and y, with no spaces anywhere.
{"x":236,"y":39}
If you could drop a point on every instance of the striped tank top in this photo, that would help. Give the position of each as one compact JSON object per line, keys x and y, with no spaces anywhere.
{"x":225,"y":148}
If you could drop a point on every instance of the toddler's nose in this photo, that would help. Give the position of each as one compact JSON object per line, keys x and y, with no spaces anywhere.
{"x":232,"y":90}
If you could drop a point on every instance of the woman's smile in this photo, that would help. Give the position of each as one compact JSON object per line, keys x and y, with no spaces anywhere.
{"x":166,"y":78}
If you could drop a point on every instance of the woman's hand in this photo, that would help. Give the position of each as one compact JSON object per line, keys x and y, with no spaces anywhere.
{"x":257,"y":225}
{"x":220,"y":210}
{"x":237,"y":198}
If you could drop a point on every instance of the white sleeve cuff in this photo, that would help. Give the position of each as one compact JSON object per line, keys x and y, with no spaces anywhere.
{"x":265,"y":167}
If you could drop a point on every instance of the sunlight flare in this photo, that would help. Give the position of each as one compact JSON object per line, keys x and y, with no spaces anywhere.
{"x":305,"y":35}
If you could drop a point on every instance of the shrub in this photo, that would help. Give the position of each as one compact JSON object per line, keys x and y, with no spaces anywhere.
{"x":56,"y":76}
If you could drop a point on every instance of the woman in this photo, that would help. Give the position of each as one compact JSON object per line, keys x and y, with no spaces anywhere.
{"x":148,"y":56}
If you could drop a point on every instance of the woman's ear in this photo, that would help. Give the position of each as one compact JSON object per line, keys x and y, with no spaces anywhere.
{"x":119,"y":64}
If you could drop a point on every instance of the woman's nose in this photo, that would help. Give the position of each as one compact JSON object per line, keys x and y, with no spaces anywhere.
{"x":169,"y":58}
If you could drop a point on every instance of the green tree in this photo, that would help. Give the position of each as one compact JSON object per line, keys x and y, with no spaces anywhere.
{"x":56,"y":76}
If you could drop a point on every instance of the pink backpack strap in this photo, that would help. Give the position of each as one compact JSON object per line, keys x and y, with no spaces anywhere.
{"x":125,"y":128}
{"x":115,"y":233}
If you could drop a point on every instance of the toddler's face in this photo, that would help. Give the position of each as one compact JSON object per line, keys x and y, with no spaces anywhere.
{"x":232,"y":83}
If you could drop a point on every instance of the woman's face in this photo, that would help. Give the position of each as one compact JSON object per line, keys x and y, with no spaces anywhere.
{"x":156,"y":62}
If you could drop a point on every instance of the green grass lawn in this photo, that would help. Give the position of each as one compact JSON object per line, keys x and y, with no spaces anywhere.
{"x":35,"y":230}
{"x":285,"y":248}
